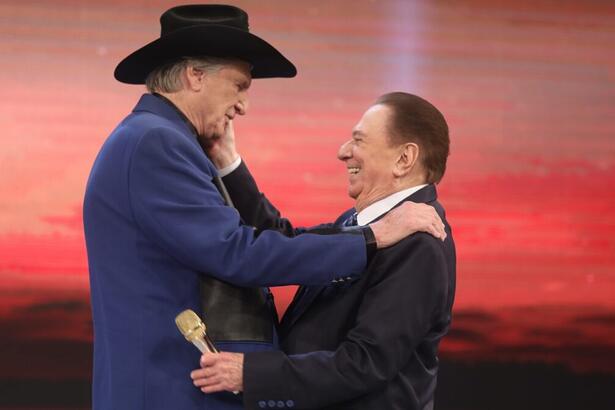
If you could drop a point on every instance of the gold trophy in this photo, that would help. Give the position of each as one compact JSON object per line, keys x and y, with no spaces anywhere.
{"x":192,"y":327}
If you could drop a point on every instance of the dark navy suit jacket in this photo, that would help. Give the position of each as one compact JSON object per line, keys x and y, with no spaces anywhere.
{"x":370,"y":343}
{"x":154,"y":224}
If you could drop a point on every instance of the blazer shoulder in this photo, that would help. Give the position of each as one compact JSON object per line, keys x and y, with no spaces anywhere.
{"x":419,"y":254}
{"x":420,"y":243}
{"x":142,"y":122}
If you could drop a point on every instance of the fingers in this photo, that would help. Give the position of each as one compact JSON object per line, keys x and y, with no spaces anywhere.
{"x":208,"y":375}
{"x":442,"y":230}
{"x":208,"y":380}
{"x":200,"y":376}
{"x":220,"y":371}
{"x":423,"y":217}
{"x":213,"y":380}
{"x":437,"y":228}
{"x":213,"y":388}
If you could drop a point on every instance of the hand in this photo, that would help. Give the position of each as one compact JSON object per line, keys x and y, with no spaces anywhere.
{"x":405,"y":220}
{"x":221,"y":148}
{"x":220,"y":371}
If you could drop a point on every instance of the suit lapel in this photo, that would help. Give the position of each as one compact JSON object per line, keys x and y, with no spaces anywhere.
{"x":303,"y":299}
{"x":305,"y":295}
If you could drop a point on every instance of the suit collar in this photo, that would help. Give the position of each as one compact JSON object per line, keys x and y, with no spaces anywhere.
{"x":424,"y":195}
{"x":160,"y":107}
{"x":165,"y":108}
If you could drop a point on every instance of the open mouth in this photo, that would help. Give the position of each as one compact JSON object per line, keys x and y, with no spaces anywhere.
{"x":353,"y":170}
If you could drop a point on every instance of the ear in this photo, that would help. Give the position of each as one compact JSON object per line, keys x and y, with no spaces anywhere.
{"x":195,"y":78}
{"x":407,"y":159}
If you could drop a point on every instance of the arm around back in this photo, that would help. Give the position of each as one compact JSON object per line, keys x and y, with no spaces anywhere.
{"x":176,"y":205}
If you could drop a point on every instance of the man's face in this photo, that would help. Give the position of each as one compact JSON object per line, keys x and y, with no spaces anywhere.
{"x":224,"y":95}
{"x":370,"y":158}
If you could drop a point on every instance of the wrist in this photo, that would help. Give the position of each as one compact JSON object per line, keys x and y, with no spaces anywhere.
{"x":224,"y":171}
{"x":223,"y":159}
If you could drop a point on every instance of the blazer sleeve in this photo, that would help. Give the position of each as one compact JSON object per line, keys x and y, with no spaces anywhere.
{"x":177,"y":206}
{"x":406,"y":289}
{"x":257,"y":211}
{"x":254,"y":208}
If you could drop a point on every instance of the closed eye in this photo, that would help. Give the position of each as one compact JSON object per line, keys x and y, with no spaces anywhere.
{"x":357,"y":136}
{"x":242,"y":85}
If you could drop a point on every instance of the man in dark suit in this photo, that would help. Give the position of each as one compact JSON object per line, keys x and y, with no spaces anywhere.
{"x":369,"y":343}
{"x":160,"y":238}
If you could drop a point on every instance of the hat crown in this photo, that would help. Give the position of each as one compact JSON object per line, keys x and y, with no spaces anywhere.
{"x":204,"y":30}
{"x":202,"y":14}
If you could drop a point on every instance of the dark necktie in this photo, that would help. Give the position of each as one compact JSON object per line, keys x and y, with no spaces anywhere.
{"x":351,"y":220}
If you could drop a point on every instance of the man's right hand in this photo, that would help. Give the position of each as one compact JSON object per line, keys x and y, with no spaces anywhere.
{"x":221,"y":149}
{"x":406,"y":219}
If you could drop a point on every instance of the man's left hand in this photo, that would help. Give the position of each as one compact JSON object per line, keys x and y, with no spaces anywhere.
{"x":220,"y":371}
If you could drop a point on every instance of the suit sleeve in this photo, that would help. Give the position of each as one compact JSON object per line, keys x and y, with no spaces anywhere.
{"x":406,"y":289}
{"x":177,"y":206}
{"x":254,"y":208}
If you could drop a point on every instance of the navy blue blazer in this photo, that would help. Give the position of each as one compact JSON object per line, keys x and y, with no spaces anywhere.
{"x":154,"y":223}
{"x":371,"y":343}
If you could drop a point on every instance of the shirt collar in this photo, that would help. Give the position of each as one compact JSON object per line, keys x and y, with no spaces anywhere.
{"x":384,"y":205}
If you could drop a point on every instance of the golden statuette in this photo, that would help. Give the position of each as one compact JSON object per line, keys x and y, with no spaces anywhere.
{"x":194,"y":330}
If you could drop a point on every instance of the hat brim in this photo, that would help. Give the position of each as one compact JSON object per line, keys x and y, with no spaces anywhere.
{"x":205,"y":40}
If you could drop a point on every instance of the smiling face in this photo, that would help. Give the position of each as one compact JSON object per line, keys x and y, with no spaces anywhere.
{"x":224,"y":94}
{"x":370,"y":158}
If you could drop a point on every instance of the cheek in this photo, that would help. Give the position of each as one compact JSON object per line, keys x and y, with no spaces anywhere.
{"x":231,"y":94}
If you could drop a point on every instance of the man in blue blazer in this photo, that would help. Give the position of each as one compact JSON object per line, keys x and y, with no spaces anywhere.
{"x":161,"y":236}
{"x":369,"y":343}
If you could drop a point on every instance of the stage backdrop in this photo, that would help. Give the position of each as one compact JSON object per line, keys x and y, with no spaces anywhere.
{"x":528,"y":88}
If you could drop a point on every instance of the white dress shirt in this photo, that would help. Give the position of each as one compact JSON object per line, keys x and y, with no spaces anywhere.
{"x":230,"y":168}
{"x":384,"y":205}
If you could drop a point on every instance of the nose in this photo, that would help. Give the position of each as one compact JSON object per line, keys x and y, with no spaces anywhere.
{"x":241,"y":107}
{"x":344,"y":152}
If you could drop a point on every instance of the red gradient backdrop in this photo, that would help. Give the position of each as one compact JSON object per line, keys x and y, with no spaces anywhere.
{"x":528,"y":88}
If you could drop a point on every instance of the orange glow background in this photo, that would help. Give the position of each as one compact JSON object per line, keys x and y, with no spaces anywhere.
{"x":528,"y":89}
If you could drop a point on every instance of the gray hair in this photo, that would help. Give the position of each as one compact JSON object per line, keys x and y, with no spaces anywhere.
{"x":167,"y":77}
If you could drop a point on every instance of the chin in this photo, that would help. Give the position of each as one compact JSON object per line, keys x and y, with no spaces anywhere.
{"x":352,"y":193}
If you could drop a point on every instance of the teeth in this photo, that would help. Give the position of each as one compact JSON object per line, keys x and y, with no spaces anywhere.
{"x":353,"y":170}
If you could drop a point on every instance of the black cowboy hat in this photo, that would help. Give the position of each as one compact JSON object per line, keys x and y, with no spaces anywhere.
{"x":204,"y":30}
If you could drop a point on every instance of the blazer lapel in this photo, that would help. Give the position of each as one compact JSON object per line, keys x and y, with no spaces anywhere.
{"x":307,"y":294}
{"x":303,"y":299}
